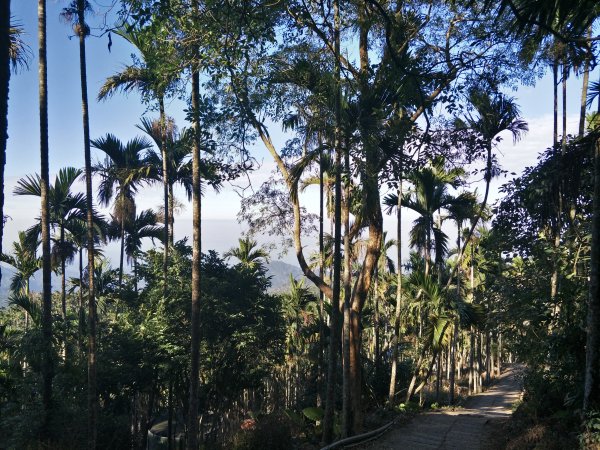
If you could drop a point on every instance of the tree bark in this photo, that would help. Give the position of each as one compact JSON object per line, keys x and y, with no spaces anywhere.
{"x":47,"y":362}
{"x":92,"y":399}
{"x":555,"y":97}
{"x":584,"y":89}
{"x":122,"y":252}
{"x":591,"y":392}
{"x":192,"y":442}
{"x":321,"y":275}
{"x":347,"y":391}
{"x":63,"y":278}
{"x":165,"y":176}
{"x":396,"y":337}
{"x":4,"y":90}
{"x":171,"y":214}
{"x":328,"y":419}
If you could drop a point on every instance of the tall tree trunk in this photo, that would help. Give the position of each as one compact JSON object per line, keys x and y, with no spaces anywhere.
{"x":165,"y":176}
{"x":321,"y":274}
{"x":192,"y":442}
{"x":171,"y":214}
{"x":565,"y":75}
{"x":555,"y":98}
{"x":488,"y":357}
{"x":371,"y":200}
{"x":591,"y":392}
{"x":63,"y":278}
{"x":376,"y":326}
{"x":170,"y":413}
{"x":455,"y":325}
{"x":347,"y":387}
{"x":4,"y":89}
{"x":80,"y":313}
{"x":47,"y":361}
{"x":92,"y":400}
{"x":396,"y":337}
{"x":472,"y":385}
{"x":335,"y":300}
{"x":122,"y":252}
{"x":584,"y":88}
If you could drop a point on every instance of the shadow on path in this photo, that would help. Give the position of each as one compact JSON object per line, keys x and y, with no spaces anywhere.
{"x":463,"y":428}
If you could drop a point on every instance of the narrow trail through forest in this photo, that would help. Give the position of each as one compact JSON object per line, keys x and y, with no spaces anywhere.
{"x":466,"y":428}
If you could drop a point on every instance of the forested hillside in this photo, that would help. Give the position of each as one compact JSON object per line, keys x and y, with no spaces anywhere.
{"x":417,"y":279}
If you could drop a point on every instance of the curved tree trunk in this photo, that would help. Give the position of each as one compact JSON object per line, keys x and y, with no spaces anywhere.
{"x":4,"y":88}
{"x":47,"y":360}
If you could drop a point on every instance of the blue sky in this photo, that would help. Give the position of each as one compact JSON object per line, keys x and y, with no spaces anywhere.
{"x":120,"y":114}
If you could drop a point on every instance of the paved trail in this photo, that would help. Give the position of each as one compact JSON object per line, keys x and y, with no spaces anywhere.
{"x":463,"y":429}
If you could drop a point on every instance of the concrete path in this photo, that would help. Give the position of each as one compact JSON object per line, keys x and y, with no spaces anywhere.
{"x":463,"y":429}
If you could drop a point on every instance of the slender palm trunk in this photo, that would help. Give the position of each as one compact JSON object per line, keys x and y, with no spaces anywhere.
{"x":63,"y":279}
{"x":565,"y":75}
{"x":192,"y":442}
{"x":47,"y":362}
{"x":455,"y":325}
{"x":591,"y":393}
{"x":92,"y":400}
{"x":321,"y":274}
{"x":335,"y":301}
{"x":80,"y":315}
{"x":122,"y":253}
{"x":165,"y":176}
{"x":555,"y":99}
{"x":584,"y":88}
{"x":135,"y":274}
{"x":376,"y":326}
{"x":396,"y":337}
{"x":4,"y":89}
{"x":346,"y":377}
{"x":171,"y":214}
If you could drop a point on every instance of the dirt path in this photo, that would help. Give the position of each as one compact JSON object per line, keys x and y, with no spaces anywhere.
{"x":464,"y":429}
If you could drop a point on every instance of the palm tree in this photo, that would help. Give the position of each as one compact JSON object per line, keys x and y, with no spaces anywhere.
{"x":13,"y":52}
{"x":251,"y":257}
{"x":178,"y":163}
{"x":460,"y":211}
{"x":65,"y":207}
{"x":76,"y":13}
{"x":145,"y":225}
{"x":47,"y":365}
{"x":495,"y":113}
{"x":122,"y":171}
{"x":429,"y":196}
{"x":25,"y":261}
{"x":153,"y":77}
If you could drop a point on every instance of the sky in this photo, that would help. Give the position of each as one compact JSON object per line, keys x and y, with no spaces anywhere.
{"x":120,"y":114}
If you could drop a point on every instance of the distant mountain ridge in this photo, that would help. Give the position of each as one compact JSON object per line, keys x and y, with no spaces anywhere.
{"x":279,"y":272}
{"x":280,"y":275}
